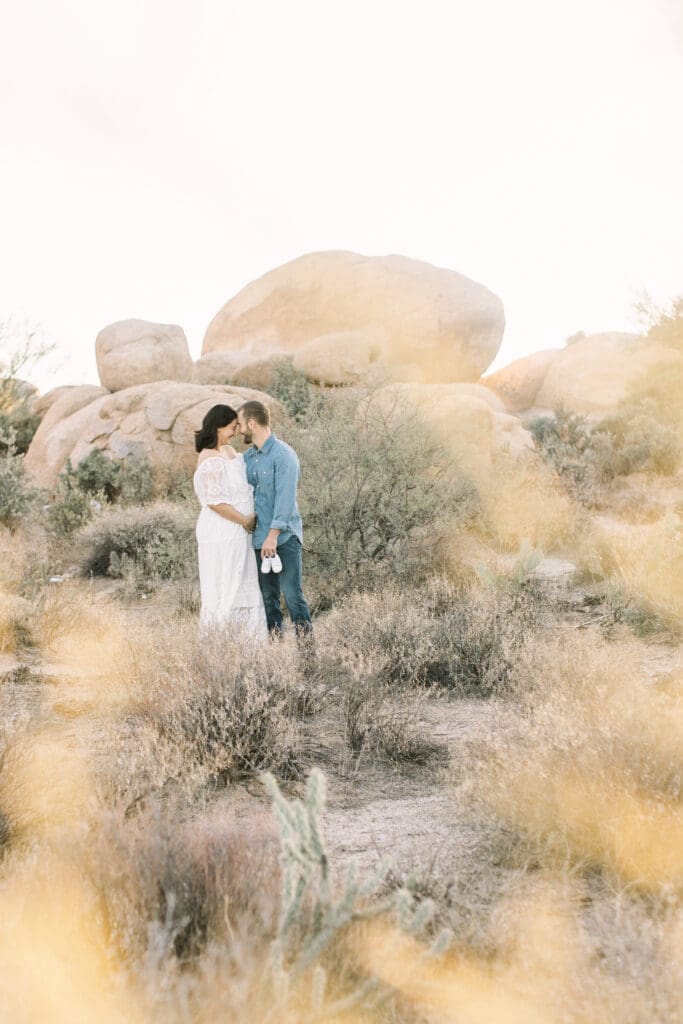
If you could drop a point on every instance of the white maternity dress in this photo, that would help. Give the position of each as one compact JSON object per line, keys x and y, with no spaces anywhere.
{"x":228,"y":574}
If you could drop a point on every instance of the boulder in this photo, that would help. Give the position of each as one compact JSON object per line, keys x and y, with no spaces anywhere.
{"x":153,"y":420}
{"x":132,"y":352}
{"x":425,"y":323}
{"x":71,"y":396}
{"x":592,"y":375}
{"x":216,"y":368}
{"x":257,"y":373}
{"x":468,"y":417}
{"x":519,"y":382}
{"x":337,"y":359}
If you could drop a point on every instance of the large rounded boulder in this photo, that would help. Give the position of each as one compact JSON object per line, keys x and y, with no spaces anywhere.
{"x":468,"y":418}
{"x":596,"y":372}
{"x":156,"y":421}
{"x":71,"y":396}
{"x":132,"y":352}
{"x":519,"y":382}
{"x":422,"y":322}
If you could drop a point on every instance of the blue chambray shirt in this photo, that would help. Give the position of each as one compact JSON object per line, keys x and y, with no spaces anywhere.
{"x":273,"y":471}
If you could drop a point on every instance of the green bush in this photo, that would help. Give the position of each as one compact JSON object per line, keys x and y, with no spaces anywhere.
{"x":639,"y":441}
{"x":586,"y":457}
{"x":566,"y":440}
{"x":157,"y":542}
{"x":96,"y":474}
{"x":21,"y":424}
{"x":17,"y":496}
{"x":136,"y":481}
{"x":378,"y":492}
{"x":97,"y":481}
{"x":292,"y":389}
{"x":71,"y":507}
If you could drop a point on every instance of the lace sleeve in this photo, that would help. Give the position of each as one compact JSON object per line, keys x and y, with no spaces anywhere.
{"x":215,"y":489}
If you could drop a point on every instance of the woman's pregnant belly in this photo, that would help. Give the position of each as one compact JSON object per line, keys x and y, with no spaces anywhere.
{"x":212,"y":527}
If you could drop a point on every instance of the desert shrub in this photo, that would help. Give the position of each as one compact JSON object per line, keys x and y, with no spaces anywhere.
{"x":292,"y":389}
{"x":15,"y":620}
{"x":377,"y":726}
{"x":663,"y":324}
{"x":588,"y":456}
{"x":96,"y":474}
{"x":525,"y":498}
{"x":157,"y":541}
{"x":17,"y":496}
{"x":204,"y":916}
{"x":158,"y":872}
{"x":22,"y":424}
{"x":635,"y":439}
{"x":651,"y":414}
{"x":172,"y":484}
{"x":566,"y":441}
{"x":378,"y":492}
{"x":136,"y":481}
{"x":71,"y":507}
{"x":26,"y":561}
{"x":131,"y":482}
{"x":591,"y":768}
{"x":465,"y":640}
{"x":226,"y":709}
{"x":644,"y":560}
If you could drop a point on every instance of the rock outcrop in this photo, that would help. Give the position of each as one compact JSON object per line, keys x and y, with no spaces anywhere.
{"x":71,"y":396}
{"x":132,"y":352}
{"x":153,"y":420}
{"x":424,"y":323}
{"x":595,"y":373}
{"x":339,"y":359}
{"x":216,"y":368}
{"x":519,"y":382}
{"x":469,"y":418}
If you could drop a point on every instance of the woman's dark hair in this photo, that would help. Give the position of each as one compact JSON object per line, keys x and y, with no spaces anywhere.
{"x":217,"y":416}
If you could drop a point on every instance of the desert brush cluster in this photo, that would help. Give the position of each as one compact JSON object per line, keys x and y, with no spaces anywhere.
{"x":466,"y":805}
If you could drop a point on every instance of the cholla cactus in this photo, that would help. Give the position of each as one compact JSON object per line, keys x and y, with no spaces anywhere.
{"x":306,"y":884}
{"x":309,"y":901}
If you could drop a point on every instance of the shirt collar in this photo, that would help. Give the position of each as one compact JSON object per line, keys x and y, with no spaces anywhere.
{"x":265,"y":448}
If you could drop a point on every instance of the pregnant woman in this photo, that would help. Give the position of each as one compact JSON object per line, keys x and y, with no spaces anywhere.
{"x":228,"y":575}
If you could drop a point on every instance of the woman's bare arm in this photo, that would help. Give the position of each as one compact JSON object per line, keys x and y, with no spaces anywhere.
{"x":228,"y":512}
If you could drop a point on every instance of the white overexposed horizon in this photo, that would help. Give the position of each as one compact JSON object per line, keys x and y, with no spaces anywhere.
{"x":157,"y":155}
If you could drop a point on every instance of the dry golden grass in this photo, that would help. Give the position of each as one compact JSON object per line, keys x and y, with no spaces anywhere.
{"x":129,"y":893}
{"x":56,"y":962}
{"x":544,"y":972}
{"x":593,"y":769}
{"x":524,"y":499}
{"x":15,"y":613}
{"x":647,"y":559}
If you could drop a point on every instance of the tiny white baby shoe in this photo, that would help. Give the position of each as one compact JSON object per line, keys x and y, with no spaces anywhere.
{"x":276,"y":563}
{"x":265,"y":565}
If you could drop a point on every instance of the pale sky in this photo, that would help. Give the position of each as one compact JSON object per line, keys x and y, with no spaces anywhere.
{"x":157,"y":155}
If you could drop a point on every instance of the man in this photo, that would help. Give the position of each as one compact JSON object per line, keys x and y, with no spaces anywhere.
{"x":273,"y":471}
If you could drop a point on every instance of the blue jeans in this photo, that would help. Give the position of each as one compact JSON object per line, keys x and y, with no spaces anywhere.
{"x":289,"y":580}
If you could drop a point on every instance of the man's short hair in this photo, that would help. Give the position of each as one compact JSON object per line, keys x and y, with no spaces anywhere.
{"x":256,"y":411}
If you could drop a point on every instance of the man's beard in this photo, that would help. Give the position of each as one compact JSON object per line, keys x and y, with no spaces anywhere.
{"x":247,"y":439}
